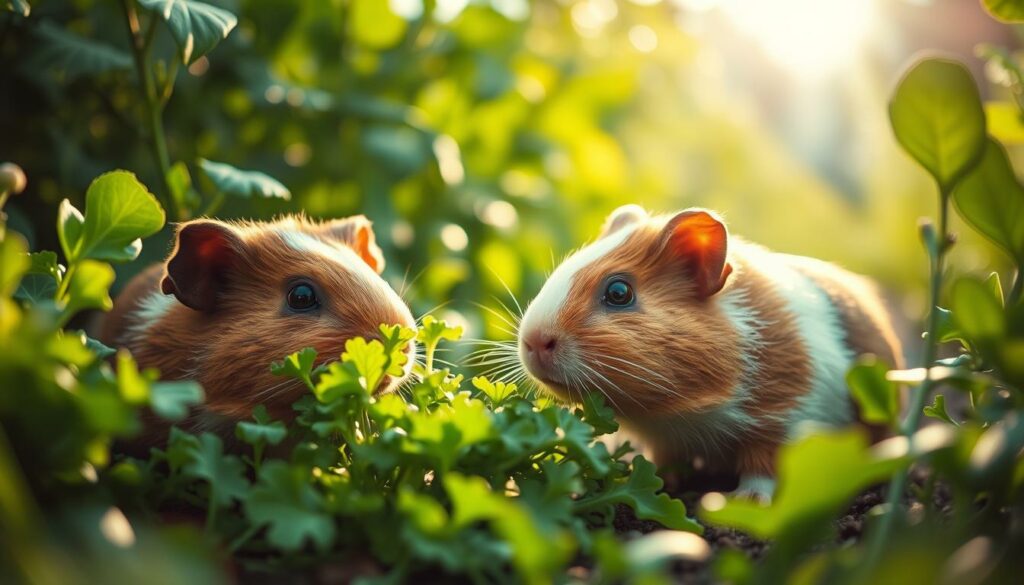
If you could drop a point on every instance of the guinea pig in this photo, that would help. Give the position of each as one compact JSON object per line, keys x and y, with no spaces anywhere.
{"x":233,"y":297}
{"x":705,"y":345}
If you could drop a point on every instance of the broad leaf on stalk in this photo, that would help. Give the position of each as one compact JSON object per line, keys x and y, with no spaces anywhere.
{"x":1005,"y":10}
{"x":72,"y":56}
{"x":197,"y":27}
{"x":89,"y":288}
{"x":119,"y":212}
{"x":238,"y":183}
{"x":991,"y":199}
{"x":298,"y":365}
{"x":976,"y":310}
{"x":225,"y":474}
{"x":817,"y":476}
{"x":938,"y":119}
{"x":639,"y":490}
{"x":262,"y":430}
{"x":877,"y":397}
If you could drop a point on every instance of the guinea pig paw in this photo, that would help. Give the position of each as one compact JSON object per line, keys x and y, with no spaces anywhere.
{"x":759,"y":488}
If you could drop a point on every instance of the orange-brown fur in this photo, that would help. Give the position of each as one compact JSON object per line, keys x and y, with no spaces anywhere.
{"x":229,"y":349}
{"x":675,"y":359}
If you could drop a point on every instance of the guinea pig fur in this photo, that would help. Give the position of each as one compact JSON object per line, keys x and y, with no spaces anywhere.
{"x":235,"y":296}
{"x":704,"y":345}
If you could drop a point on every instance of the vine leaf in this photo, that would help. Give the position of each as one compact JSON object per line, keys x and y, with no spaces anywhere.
{"x":238,"y":183}
{"x":72,"y":56}
{"x":197,"y":27}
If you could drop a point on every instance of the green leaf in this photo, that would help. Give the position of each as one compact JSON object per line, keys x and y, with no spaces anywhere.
{"x":433,"y":330}
{"x":72,"y":56}
{"x":1004,"y":122}
{"x":101,"y":350}
{"x":937,"y":117}
{"x":817,"y":476}
{"x":395,"y":339}
{"x":372,"y":24}
{"x":937,"y":409}
{"x":89,"y":288}
{"x":180,"y":182}
{"x":639,"y":490}
{"x":298,"y":365}
{"x":976,"y":310}
{"x":877,"y":397}
{"x":14,"y":261}
{"x":995,"y":285}
{"x":119,"y":211}
{"x":598,"y":415}
{"x":263,"y":430}
{"x":41,"y":279}
{"x":340,"y":380}
{"x":172,"y":400}
{"x":225,"y":474}
{"x":991,"y":199}
{"x":535,"y":554}
{"x":496,"y":392}
{"x":238,"y":183}
{"x":133,"y":384}
{"x":368,"y":359}
{"x":1005,"y":10}
{"x":285,"y":502}
{"x":197,"y":27}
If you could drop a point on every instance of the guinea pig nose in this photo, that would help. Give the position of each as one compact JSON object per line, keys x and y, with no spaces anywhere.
{"x":540,"y":342}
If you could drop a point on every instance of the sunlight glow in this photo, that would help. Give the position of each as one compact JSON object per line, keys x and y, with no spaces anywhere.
{"x":809,"y":37}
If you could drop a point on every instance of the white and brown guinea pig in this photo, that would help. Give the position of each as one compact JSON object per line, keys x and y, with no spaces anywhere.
{"x":705,"y":345}
{"x":234,"y":297}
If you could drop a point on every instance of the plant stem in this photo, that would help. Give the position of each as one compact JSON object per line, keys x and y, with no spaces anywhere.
{"x":152,"y":101}
{"x":920,"y":394}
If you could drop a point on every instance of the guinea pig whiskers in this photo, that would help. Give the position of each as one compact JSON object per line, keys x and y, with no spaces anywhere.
{"x":653,"y":384}
{"x":519,"y":315}
{"x":642,"y":368}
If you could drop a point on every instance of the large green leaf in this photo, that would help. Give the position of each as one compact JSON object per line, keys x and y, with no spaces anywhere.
{"x":14,"y":261}
{"x":41,"y":279}
{"x":294,"y":512}
{"x":197,"y":27}
{"x":639,"y":490}
{"x":89,"y":287}
{"x":977,"y":311}
{"x":72,"y":56}
{"x":991,"y":199}
{"x":817,"y":476}
{"x":1006,"y":10}
{"x":119,"y":211}
{"x":877,"y":397}
{"x":937,"y":117}
{"x":239,"y":183}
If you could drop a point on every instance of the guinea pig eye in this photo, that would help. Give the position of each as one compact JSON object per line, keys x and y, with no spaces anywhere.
{"x":619,"y":294}
{"x":302,"y":297}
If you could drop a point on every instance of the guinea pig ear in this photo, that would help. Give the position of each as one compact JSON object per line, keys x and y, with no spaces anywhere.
{"x":621,"y":217}
{"x":203,"y":253}
{"x":698,"y":238}
{"x":356,"y":232}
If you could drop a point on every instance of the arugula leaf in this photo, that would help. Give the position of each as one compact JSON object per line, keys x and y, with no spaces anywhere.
{"x":639,"y":490}
{"x":225,"y":474}
{"x":285,"y":502}
{"x":937,"y":410}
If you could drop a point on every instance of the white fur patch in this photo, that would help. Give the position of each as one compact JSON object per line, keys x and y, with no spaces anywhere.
{"x":544,"y":308}
{"x":758,"y":487}
{"x":151,"y":309}
{"x":822,"y":331}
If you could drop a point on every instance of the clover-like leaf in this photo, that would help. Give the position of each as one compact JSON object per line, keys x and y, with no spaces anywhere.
{"x":298,"y":365}
{"x":395,"y":339}
{"x":172,"y":400}
{"x":263,"y":430}
{"x":991,"y":199}
{"x":294,"y":512}
{"x":225,"y":474}
{"x":119,"y":211}
{"x":639,"y":490}
{"x":197,"y":27}
{"x":369,"y":360}
{"x":72,"y":56}
{"x":938,"y":119}
{"x":877,"y":397}
{"x":496,"y":392}
{"x":937,"y":410}
{"x":238,"y":183}
{"x":433,"y":330}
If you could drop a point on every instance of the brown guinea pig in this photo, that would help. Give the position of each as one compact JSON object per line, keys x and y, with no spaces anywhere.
{"x":234,"y":297}
{"x":705,"y":345}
